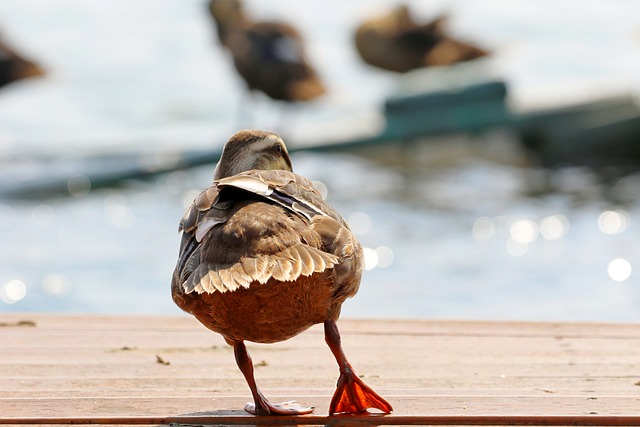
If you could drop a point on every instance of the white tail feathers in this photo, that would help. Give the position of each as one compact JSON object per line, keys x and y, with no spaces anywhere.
{"x":285,"y":266}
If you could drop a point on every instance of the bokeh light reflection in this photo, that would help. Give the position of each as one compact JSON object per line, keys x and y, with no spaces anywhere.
{"x":385,"y":256}
{"x":619,"y":270}
{"x":524,"y":231}
{"x":166,"y":159}
{"x":79,"y":185}
{"x":174,"y":182}
{"x":484,"y":228}
{"x":117,"y":212}
{"x":613,"y":222}
{"x":554,"y":227}
{"x":13,"y":291}
{"x":516,"y":249}
{"x":359,"y":222}
{"x":56,"y":285}
{"x":322,"y":188}
{"x":370,"y":258}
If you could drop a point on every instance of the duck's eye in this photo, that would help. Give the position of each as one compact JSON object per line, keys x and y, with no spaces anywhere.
{"x":278,"y":148}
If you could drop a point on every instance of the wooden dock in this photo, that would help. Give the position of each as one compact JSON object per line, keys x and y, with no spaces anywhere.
{"x":134,"y":370}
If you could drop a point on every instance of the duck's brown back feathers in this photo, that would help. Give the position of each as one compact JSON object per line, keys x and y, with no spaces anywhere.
{"x":263,"y":246}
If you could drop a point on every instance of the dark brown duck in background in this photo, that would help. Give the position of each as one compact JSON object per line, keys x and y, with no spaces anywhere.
{"x":269,"y":56}
{"x":264,"y":258}
{"x":396,"y":42}
{"x":15,"y":67}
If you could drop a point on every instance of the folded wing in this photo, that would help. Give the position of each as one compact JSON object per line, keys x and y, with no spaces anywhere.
{"x":282,"y":261}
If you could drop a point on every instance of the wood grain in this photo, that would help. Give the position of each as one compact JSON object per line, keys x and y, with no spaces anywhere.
{"x":138,"y":370}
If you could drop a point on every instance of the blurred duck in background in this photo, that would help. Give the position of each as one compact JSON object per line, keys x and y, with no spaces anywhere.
{"x":396,"y":42}
{"x":269,"y":56}
{"x":15,"y":67}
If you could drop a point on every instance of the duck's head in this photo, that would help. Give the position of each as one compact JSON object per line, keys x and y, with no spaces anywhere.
{"x":227,"y":12}
{"x":252,"y":149}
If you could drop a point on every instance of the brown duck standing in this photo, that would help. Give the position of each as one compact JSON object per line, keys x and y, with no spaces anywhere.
{"x":15,"y":67}
{"x":269,"y":56}
{"x":263,"y":258}
{"x":396,"y":42}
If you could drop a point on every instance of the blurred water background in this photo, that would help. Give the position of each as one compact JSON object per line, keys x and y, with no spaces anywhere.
{"x":449,"y":233}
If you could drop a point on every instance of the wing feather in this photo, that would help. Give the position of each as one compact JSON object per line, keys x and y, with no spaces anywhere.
{"x":257,"y":268}
{"x":251,"y":267}
{"x":240,"y":276}
{"x":307,"y":265}
{"x":285,"y":266}
{"x":205,"y":225}
{"x":198,"y":281}
{"x":294,"y":192}
{"x":216,"y":281}
{"x":227,"y":279}
{"x":212,"y":207}
{"x":282,"y":268}
{"x":204,"y":285}
{"x":296,"y":261}
{"x":248,"y":183}
{"x":318,"y":261}
{"x":206,"y":199}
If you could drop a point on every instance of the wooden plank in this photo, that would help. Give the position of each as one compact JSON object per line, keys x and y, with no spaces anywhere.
{"x":142,"y":370}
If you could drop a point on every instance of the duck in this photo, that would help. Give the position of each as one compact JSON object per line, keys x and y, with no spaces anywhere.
{"x":269,"y":56}
{"x":14,"y":67}
{"x":263,"y":258}
{"x":397,"y":42}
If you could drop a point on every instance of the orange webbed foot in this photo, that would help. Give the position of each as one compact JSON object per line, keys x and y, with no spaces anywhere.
{"x":353,"y":396}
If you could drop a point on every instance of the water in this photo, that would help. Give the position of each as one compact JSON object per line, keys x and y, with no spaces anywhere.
{"x":468,"y":239}
{"x":467,"y":244}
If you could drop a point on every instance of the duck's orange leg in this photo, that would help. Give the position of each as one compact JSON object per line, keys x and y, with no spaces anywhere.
{"x":262,"y":406}
{"x":352,"y":395}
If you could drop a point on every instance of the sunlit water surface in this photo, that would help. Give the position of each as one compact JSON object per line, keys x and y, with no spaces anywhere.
{"x":463,"y":241}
